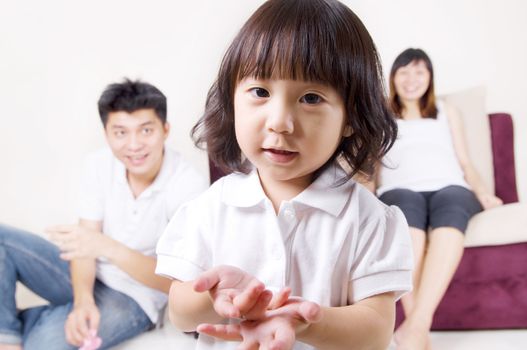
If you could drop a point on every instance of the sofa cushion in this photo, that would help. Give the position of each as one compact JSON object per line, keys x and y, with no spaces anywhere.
{"x":502,"y":132}
{"x":471,"y":105}
{"x":488,"y":291}
{"x":502,"y":225}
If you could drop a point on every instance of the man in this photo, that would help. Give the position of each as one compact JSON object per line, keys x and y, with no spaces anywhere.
{"x":99,"y":276}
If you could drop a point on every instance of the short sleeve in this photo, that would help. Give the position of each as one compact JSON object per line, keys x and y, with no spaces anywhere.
{"x":384,"y":260}
{"x":183,"y":251}
{"x":91,"y":192}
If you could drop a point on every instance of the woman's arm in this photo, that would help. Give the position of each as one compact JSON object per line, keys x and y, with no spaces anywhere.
{"x":487,"y":199}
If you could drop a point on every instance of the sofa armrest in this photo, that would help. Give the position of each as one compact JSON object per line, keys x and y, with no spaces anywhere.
{"x":502,"y":136}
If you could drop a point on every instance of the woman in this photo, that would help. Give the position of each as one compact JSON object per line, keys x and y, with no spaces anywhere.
{"x":429,"y":175}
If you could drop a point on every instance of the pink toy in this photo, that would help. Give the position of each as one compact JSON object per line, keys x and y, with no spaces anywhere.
{"x":92,"y":342}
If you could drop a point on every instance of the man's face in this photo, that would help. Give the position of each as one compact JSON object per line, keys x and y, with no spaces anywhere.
{"x":137,"y":140}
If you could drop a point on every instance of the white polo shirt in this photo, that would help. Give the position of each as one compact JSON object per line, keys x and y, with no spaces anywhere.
{"x":136,"y":222}
{"x":333,"y":245}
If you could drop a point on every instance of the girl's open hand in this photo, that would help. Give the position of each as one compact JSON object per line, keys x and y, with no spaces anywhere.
{"x":277,"y":330}
{"x":235,"y":293}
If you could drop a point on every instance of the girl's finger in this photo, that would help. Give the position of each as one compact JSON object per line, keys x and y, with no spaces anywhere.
{"x":310,"y":311}
{"x":224,"y":306}
{"x":248,"y":345}
{"x":206,"y":281}
{"x":229,"y":332}
{"x":284,"y":339}
{"x":260,"y":307}
{"x":280,"y":298}
{"x":249,"y":297}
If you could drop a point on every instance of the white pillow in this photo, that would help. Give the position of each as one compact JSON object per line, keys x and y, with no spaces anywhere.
{"x":471,"y":105}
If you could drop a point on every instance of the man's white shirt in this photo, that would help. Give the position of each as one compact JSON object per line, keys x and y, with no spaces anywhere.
{"x":105,"y":195}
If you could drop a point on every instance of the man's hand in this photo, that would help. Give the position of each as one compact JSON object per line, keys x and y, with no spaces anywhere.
{"x":78,"y":242}
{"x":82,"y":323}
{"x":277,"y":330}
{"x":234,"y":293}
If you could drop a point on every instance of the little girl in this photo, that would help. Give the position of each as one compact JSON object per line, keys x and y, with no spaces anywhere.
{"x":288,"y":252}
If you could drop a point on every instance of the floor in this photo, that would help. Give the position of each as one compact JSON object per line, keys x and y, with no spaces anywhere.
{"x":480,"y":340}
{"x":462,"y":340}
{"x":169,"y":338}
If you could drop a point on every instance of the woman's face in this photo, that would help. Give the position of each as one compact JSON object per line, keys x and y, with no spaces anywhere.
{"x":411,"y":81}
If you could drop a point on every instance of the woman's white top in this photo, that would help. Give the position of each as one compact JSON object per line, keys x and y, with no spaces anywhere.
{"x":423,"y":157}
{"x":334,"y":245}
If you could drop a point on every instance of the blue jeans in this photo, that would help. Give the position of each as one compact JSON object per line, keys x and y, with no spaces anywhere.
{"x":35,"y":262}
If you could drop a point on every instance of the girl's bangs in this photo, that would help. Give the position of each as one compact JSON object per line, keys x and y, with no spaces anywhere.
{"x":288,"y":49}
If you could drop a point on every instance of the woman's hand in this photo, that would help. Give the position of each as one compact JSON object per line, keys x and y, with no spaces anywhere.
{"x":234,"y":293}
{"x":488,"y":200}
{"x":277,"y":330}
{"x":78,"y":242}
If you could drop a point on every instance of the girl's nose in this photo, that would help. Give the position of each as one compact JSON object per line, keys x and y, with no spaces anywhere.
{"x":280,"y":119}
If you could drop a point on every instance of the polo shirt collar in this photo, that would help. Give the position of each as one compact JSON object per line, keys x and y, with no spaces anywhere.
{"x":329,"y":192}
{"x":243,"y":190}
{"x":325,"y":193}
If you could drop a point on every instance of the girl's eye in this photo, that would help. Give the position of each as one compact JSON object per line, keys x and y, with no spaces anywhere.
{"x":147,"y":131}
{"x":311,"y":99}
{"x":260,"y":92}
{"x":119,"y":133}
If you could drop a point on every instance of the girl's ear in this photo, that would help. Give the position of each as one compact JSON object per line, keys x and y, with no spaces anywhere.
{"x":347,"y":131}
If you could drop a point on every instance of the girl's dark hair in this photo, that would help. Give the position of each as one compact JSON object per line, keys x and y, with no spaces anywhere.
{"x":313,"y":40}
{"x":131,"y":96}
{"x":427,"y":103}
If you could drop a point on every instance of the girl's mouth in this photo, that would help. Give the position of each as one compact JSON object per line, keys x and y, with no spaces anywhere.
{"x":279,"y":155}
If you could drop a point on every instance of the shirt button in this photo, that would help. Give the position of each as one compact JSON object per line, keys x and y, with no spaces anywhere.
{"x":289,"y":214}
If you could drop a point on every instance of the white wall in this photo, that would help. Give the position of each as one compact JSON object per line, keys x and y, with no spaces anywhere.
{"x":57,"y":56}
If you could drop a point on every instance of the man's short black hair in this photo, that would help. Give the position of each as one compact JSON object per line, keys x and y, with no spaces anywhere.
{"x":130,"y":96}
